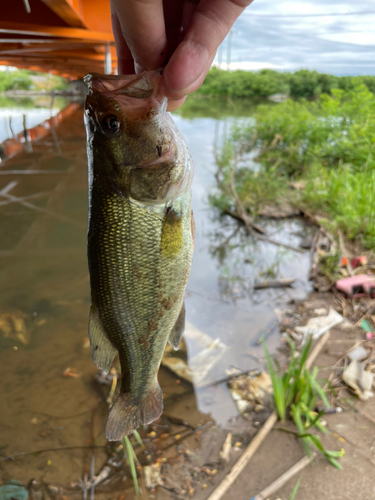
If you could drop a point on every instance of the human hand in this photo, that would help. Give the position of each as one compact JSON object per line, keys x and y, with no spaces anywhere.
{"x":183,"y":34}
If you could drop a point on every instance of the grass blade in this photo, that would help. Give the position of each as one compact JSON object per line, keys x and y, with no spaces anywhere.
{"x":295,"y":489}
{"x":130,"y":457}
{"x":138,"y":438}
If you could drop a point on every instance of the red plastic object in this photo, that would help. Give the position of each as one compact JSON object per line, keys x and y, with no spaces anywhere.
{"x":357,"y":286}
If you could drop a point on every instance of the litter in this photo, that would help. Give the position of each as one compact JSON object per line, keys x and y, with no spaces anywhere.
{"x":358,"y":354}
{"x":13,"y":490}
{"x":199,"y":365}
{"x":152,"y":475}
{"x":358,"y":379}
{"x":320,"y":324}
{"x":251,"y":392}
{"x":357,"y":286}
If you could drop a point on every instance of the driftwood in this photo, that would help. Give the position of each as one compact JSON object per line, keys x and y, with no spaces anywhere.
{"x":284,"y":478}
{"x":274,"y":283}
{"x":245,"y":458}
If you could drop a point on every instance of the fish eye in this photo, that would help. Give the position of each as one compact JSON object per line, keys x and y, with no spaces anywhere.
{"x":111,"y":124}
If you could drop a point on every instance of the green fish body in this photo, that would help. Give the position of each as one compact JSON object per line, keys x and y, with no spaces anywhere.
{"x":140,"y":238}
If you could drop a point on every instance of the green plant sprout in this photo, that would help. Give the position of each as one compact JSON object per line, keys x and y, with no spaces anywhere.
{"x":132,"y":459}
{"x":296,"y":392}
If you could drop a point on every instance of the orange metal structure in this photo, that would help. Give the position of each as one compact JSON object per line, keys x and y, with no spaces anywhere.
{"x":67,"y":37}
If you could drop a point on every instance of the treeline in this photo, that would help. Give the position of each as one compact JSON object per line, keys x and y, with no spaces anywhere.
{"x":264,"y":83}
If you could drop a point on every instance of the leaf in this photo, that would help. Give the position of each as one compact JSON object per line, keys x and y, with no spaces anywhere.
{"x":295,"y":489}
{"x":138,"y":438}
{"x":365,"y":325}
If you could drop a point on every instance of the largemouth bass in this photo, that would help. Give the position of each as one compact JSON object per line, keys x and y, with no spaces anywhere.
{"x":140,"y":238}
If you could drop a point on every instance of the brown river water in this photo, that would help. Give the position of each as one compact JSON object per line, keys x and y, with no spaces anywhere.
{"x":50,"y":397}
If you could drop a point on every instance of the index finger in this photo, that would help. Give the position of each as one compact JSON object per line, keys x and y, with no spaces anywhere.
{"x":143,"y":30}
{"x":208,"y":27}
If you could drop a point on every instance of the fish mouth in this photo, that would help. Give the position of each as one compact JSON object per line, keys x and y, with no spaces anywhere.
{"x":139,"y":86}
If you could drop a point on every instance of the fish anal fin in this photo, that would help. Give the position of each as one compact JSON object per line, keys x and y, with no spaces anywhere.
{"x":178,"y":329}
{"x":128,"y":413}
{"x":102,"y":349}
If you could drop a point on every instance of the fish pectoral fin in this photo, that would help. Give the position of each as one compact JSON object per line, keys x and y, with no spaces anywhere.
{"x":129,"y":412}
{"x":178,"y":330}
{"x":102,"y":349}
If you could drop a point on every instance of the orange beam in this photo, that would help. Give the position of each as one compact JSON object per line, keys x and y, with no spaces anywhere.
{"x":67,"y":12}
{"x":34,"y":29}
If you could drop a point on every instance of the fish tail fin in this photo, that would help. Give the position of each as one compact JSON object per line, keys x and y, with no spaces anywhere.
{"x":128,"y":413}
{"x":152,"y":404}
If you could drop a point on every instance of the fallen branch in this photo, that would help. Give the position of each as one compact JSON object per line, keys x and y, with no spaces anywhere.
{"x":284,"y":478}
{"x":245,"y":219}
{"x":274,"y":283}
{"x":250,"y":226}
{"x":227,"y":482}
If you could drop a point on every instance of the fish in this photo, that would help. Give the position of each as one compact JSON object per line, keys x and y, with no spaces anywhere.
{"x":140,"y":238}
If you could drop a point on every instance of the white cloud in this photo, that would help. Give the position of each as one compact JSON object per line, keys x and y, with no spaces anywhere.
{"x":327,"y":35}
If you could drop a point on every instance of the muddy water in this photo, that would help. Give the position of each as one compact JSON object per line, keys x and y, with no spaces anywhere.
{"x":50,"y":398}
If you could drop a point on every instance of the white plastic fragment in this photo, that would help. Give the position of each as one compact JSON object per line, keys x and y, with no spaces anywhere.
{"x":358,"y":354}
{"x":319,"y":325}
{"x":359,"y":380}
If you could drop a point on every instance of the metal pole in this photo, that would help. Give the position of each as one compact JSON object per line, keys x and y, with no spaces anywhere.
{"x":220,"y":56}
{"x":229,"y":49}
{"x":108,"y":60}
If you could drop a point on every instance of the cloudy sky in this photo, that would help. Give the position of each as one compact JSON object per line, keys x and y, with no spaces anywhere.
{"x":332,"y":36}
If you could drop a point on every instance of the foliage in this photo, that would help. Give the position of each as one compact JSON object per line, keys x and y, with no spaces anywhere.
{"x":261,"y":84}
{"x":132,"y":458}
{"x":328,"y":143}
{"x":296,"y":391}
{"x":15,"y":80}
{"x":23,"y":79}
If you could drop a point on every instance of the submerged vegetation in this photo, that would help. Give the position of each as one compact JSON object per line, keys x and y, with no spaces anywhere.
{"x":264,"y":83}
{"x":324,"y":148}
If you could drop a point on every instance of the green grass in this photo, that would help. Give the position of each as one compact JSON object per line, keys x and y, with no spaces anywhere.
{"x":296,"y":392}
{"x":132,"y":459}
{"x":328,"y":144}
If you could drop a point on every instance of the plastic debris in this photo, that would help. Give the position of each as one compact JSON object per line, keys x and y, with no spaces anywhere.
{"x":199,"y":365}
{"x":152,"y":475}
{"x":13,"y":490}
{"x":317,"y":326}
{"x":251,"y":392}
{"x":358,"y":354}
{"x":359,"y":261}
{"x":358,"y":379}
{"x":227,"y":446}
{"x":321,"y":311}
{"x":356,"y":286}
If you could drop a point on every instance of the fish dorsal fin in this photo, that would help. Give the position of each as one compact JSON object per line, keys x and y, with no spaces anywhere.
{"x":178,"y":329}
{"x":102,"y":350}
